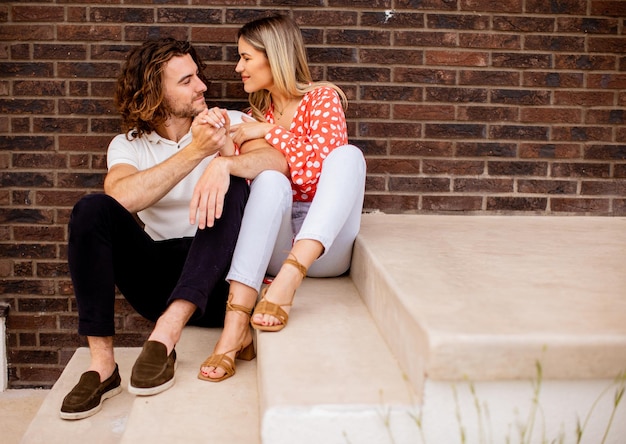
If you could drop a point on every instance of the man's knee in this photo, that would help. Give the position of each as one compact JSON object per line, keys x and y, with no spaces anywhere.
{"x":91,"y":207}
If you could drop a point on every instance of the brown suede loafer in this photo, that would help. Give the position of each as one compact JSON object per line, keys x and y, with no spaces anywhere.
{"x":86,"y":398}
{"x":153,"y":371}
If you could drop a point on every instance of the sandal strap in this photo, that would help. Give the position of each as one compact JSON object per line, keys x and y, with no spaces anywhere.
{"x":220,"y":361}
{"x":269,"y":308}
{"x":294,"y":262}
{"x":235,"y":307}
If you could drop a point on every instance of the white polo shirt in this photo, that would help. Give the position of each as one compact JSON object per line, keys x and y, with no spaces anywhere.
{"x":169,"y":217}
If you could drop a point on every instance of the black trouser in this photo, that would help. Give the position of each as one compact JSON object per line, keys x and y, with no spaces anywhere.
{"x":107,"y":247}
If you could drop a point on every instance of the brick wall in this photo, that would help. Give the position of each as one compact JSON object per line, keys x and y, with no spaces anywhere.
{"x":463,"y":106}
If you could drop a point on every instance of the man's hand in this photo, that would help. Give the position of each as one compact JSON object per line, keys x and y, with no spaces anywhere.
{"x":207,"y":201}
{"x":207,"y":138}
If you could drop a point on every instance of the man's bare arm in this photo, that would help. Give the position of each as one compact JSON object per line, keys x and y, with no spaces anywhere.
{"x":137,"y":190}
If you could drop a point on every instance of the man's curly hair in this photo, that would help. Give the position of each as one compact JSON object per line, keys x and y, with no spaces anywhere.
{"x":139,"y":92}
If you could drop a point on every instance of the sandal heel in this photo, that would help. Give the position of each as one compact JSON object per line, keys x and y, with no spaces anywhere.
{"x":248,"y":353}
{"x":224,"y":362}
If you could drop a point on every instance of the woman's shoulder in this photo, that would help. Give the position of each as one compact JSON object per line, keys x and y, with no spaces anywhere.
{"x":322,"y":91}
{"x":322,"y":94}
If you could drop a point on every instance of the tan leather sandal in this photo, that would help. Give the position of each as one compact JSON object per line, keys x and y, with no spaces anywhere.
{"x":221,"y":360}
{"x":265,"y":307}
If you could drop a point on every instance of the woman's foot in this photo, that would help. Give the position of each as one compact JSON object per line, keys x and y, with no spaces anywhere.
{"x":235,"y":342}
{"x":272,"y":312}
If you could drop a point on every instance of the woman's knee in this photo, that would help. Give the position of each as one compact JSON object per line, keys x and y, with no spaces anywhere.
{"x":271,"y":185}
{"x":348,"y":156}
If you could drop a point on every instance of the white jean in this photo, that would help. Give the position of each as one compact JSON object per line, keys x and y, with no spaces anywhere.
{"x":272,"y":222}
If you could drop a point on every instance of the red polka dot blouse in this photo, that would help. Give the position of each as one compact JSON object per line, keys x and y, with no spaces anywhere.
{"x":318,"y":127}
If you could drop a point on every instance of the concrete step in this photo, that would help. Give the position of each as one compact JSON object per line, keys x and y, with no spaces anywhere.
{"x":192,"y":411}
{"x":501,"y":305}
{"x":329,"y":376}
{"x":449,"y":329}
{"x":462,"y":291}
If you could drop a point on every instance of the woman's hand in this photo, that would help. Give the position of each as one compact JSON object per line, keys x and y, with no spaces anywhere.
{"x":215,"y":119}
{"x":248,"y":130}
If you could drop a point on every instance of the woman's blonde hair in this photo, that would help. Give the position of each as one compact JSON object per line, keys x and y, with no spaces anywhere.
{"x":280,"y":39}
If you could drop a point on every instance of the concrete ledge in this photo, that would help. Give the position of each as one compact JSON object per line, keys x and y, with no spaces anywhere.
{"x":105,"y":427}
{"x":328,"y":376}
{"x":195,"y":411}
{"x":191,"y":411}
{"x":486,"y":297}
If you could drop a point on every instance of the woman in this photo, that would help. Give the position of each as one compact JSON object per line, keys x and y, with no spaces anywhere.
{"x":291,"y":228}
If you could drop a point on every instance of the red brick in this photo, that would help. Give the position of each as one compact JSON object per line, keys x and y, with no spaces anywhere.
{"x":454,"y":21}
{"x":457,"y":95}
{"x":389,"y":128}
{"x":36,"y":14}
{"x":517,"y":168}
{"x":37,"y":233}
{"x":549,"y":151}
{"x":583,"y":134}
{"x":469,"y":149}
{"x":607,"y":44}
{"x":547,"y":186}
{"x":490,"y":41}
{"x":594,"y":170}
{"x":572,"y":7}
{"x":483,"y":186}
{"x":418,"y":184}
{"x":615,"y":8}
{"x":456,"y":58}
{"x":553,"y":79}
{"x":453,"y":167}
{"x":451,"y":203}
{"x":393,"y":202}
{"x":425,"y":38}
{"x":551,"y":115}
{"x":8,"y":32}
{"x":423,"y":112}
{"x":487,"y":114}
{"x":521,"y":60}
{"x":588,"y":25}
{"x":421,"y":148}
{"x":606,"y":81}
{"x":554,"y":43}
{"x":613,"y":188}
{"x":510,"y":6}
{"x":89,"y":33}
{"x":514,"y":204}
{"x":579,"y":206}
{"x":392,"y":19}
{"x":393,"y":166}
{"x":454,"y":131}
{"x":519,"y":24}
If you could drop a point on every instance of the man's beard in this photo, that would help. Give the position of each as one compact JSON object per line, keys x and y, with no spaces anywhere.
{"x":182,"y":112}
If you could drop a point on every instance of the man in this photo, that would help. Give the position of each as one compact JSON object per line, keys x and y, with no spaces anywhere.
{"x":171,"y":271}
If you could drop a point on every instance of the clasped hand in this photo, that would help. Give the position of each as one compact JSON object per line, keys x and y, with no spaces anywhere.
{"x":210,"y":131}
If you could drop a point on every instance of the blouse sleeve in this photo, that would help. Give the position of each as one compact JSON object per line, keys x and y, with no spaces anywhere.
{"x":319,"y":126}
